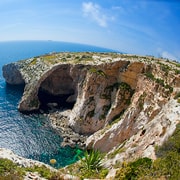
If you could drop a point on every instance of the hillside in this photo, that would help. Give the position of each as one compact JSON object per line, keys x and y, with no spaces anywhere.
{"x":122,"y":105}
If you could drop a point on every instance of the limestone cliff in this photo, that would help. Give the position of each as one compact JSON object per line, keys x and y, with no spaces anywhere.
{"x":122,"y":102}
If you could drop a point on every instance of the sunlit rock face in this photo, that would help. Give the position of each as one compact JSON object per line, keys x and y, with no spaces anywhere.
{"x":12,"y":74}
{"x":119,"y":101}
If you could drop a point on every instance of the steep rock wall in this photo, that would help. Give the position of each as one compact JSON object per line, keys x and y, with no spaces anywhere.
{"x":12,"y":74}
{"x":120,"y":101}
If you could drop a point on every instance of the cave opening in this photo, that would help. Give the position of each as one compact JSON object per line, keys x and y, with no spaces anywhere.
{"x":57,"y":91}
{"x":49,"y":101}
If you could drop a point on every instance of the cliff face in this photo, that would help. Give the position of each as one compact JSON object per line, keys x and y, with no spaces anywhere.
{"x":12,"y":74}
{"x":120,"y":101}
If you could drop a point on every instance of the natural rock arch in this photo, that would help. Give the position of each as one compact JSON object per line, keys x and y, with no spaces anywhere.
{"x":57,"y":88}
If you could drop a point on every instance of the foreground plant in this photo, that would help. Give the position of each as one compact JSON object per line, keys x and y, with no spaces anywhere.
{"x":166,"y":166}
{"x":92,"y":160}
{"x":91,"y":165}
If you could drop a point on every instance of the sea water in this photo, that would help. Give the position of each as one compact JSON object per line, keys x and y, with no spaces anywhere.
{"x":31,"y":136}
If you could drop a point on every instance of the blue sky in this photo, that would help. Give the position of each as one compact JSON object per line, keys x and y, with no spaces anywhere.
{"x":145,"y":27}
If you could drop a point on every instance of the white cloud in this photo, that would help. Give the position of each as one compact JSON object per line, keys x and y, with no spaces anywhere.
{"x":94,"y":11}
{"x":168,"y":55}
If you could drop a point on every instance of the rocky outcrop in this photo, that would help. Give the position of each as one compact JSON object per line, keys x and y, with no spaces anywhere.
{"x":8,"y":154}
{"x":119,"y":101}
{"x":12,"y":74}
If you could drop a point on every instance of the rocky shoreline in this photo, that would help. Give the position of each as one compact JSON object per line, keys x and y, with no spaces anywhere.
{"x":59,"y":121}
{"x":122,"y":105}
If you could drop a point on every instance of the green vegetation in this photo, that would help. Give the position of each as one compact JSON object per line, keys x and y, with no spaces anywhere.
{"x":33,"y":62}
{"x":91,"y":160}
{"x":177,"y":64}
{"x":133,"y":170}
{"x":141,"y":100}
{"x":50,"y":58}
{"x":123,"y":86}
{"x":68,"y":56}
{"x":159,"y":81}
{"x":43,"y":171}
{"x":177,"y":96}
{"x":165,"y":68}
{"x":98,"y":72}
{"x":10,"y":170}
{"x":177,"y":71}
{"x":149,"y":75}
{"x":172,"y":144}
{"x":86,"y":57}
{"x":166,"y":166}
{"x":91,"y":165}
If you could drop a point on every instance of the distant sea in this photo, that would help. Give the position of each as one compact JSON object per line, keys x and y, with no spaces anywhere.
{"x":31,"y":136}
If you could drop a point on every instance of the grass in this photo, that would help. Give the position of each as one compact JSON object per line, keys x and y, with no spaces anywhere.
{"x":10,"y":170}
{"x":43,"y":171}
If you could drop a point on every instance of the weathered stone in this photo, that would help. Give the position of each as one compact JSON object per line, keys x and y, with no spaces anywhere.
{"x":12,"y":74}
{"x":118,"y":102}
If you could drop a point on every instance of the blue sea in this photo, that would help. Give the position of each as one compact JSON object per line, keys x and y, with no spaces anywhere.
{"x":31,"y":136}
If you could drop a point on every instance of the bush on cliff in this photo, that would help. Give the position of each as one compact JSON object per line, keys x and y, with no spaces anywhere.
{"x":9,"y":170}
{"x":166,"y":166}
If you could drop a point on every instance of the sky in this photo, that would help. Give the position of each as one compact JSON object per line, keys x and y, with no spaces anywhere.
{"x":142,"y":27}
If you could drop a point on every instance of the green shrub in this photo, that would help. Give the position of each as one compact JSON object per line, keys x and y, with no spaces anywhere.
{"x":68,"y":56}
{"x":166,"y":166}
{"x":177,"y":95}
{"x":172,"y":144}
{"x":91,"y":165}
{"x":149,"y":75}
{"x":98,"y":72}
{"x":160,"y":81}
{"x":92,"y":160}
{"x":134,"y":170}
{"x":9,"y":170}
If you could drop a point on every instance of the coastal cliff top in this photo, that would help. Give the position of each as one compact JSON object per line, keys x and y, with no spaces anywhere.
{"x":92,"y":58}
{"x":33,"y":68}
{"x":33,"y":72}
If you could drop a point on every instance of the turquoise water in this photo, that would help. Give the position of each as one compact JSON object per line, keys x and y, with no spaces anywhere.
{"x":31,"y":136}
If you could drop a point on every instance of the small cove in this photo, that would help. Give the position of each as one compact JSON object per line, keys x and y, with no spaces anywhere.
{"x":31,"y":135}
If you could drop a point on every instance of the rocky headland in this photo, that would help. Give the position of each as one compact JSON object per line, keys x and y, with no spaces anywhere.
{"x":123,"y":105}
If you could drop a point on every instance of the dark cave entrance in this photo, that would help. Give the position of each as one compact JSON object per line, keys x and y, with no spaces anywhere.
{"x":50,"y":102}
{"x":57,"y":91}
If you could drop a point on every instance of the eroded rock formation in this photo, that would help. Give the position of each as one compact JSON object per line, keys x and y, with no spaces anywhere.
{"x":119,"y":101}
